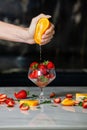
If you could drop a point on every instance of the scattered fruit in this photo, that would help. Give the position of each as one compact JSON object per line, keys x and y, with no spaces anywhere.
{"x":52,"y":94}
{"x":69,"y":95}
{"x":24,"y":107}
{"x":57,"y":100}
{"x":22,"y":94}
{"x":30,"y":102}
{"x":68,"y":102}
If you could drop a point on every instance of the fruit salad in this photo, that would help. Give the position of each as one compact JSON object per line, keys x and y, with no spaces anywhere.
{"x":42,"y":73}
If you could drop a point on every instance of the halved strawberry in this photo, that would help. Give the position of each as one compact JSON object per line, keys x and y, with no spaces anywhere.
{"x":34,"y":65}
{"x":57,"y":100}
{"x":10,"y":104}
{"x":11,"y":100}
{"x":24,"y":107}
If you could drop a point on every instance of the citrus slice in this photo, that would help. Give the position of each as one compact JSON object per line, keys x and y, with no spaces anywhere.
{"x":68,"y":102}
{"x":30,"y":102}
{"x":81,"y":96}
{"x":42,"y":25}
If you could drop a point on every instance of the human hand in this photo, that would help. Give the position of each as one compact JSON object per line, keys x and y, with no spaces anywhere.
{"x":47,"y":36}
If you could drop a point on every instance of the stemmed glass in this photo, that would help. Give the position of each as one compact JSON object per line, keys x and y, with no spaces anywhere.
{"x":42,"y":74}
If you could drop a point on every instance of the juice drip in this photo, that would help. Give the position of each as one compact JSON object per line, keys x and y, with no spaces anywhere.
{"x":40,"y":54}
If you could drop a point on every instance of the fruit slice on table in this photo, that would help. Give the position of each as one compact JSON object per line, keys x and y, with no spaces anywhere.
{"x":31,"y":103}
{"x":81,"y":96}
{"x":42,"y":25}
{"x":68,"y":102}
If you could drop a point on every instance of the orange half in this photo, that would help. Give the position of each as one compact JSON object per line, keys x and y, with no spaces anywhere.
{"x":42,"y":25}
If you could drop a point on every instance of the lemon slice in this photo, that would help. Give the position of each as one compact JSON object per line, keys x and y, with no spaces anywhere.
{"x":30,"y":102}
{"x":81,"y":96}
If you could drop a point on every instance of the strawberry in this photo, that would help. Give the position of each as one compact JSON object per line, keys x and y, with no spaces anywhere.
{"x":24,"y":107}
{"x":84,"y":104}
{"x":9,"y":100}
{"x":42,"y":68}
{"x":50,"y":65}
{"x":69,"y":95}
{"x":22,"y":94}
{"x":33,"y":74}
{"x":57,"y":100}
{"x":34,"y":65}
{"x":52,"y":94}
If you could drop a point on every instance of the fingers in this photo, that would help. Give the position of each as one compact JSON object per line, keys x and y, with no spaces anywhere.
{"x":48,"y":35}
{"x":35,"y":19}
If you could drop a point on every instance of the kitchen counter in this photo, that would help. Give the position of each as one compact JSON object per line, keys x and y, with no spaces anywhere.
{"x":46,"y":116}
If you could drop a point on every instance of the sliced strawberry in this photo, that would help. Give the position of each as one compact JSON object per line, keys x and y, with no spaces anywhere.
{"x":10,"y":104}
{"x":57,"y":100}
{"x":9,"y":100}
{"x":24,"y":107}
{"x":50,"y":65}
{"x":34,"y":65}
{"x":69,"y":95}
{"x":3,"y":96}
{"x":84,"y":105}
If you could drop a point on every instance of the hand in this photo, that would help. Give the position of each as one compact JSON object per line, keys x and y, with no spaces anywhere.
{"x":47,"y":36}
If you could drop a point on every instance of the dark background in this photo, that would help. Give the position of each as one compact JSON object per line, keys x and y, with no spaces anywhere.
{"x":68,"y":48}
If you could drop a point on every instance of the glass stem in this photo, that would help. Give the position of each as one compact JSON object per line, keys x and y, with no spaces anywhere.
{"x":42,"y":94}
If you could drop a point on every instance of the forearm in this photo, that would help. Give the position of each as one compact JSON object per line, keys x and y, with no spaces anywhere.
{"x":13,"y":33}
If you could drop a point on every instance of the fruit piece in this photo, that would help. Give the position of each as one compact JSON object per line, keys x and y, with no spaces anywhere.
{"x":21,"y":94}
{"x":10,"y":104}
{"x":34,"y":65}
{"x":30,"y":102}
{"x":84,"y":104}
{"x":57,"y":100}
{"x":33,"y":74}
{"x":69,"y":95}
{"x":3,"y":97}
{"x":24,"y":107}
{"x":9,"y":100}
{"x":42,"y":68}
{"x":50,"y":65}
{"x":81,"y":96}
{"x":68,"y":102}
{"x":42,"y":25}
{"x":52,"y":94}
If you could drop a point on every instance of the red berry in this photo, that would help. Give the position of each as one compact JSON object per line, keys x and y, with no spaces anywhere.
{"x":43,"y":69}
{"x":69,"y":95}
{"x":33,"y":74}
{"x":52,"y":94}
{"x":34,"y":65}
{"x":84,"y":105}
{"x":21,"y":94}
{"x":50,"y":65}
{"x":57,"y":100}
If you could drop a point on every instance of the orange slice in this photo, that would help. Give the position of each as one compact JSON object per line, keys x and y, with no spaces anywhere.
{"x":30,"y":102}
{"x":68,"y":102}
{"x":42,"y":25}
